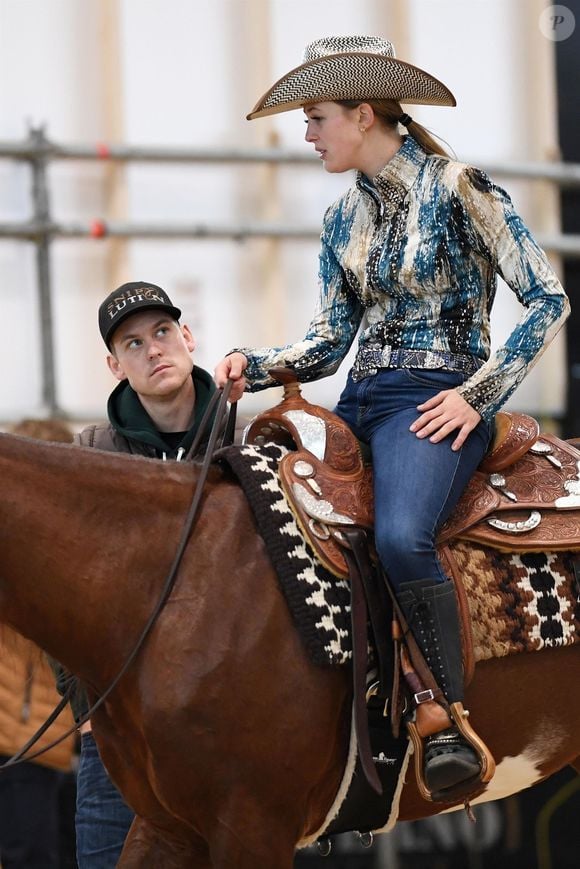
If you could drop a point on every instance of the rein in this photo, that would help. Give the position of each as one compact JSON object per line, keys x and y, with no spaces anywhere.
{"x":190,"y":520}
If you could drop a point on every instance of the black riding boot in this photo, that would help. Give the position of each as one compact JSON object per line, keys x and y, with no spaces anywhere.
{"x":431,"y":612}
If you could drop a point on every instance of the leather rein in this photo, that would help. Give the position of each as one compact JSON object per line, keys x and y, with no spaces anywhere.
{"x":219,"y":397}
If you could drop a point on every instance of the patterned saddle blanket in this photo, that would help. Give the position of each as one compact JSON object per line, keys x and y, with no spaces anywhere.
{"x":511,"y":602}
{"x":319,"y":602}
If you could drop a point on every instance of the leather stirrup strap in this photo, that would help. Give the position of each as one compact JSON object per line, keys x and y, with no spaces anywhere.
{"x":377,"y":604}
{"x":359,"y":654}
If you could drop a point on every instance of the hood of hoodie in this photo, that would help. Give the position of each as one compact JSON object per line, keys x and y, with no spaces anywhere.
{"x":128,"y":416}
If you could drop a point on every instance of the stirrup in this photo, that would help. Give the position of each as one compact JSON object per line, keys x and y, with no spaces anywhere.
{"x":463,"y":790}
{"x":449,"y":761}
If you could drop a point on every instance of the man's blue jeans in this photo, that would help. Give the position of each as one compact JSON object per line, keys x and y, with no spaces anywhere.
{"x":102,"y":818}
{"x":416,"y":483}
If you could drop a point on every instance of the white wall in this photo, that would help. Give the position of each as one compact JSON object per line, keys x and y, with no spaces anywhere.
{"x":185,"y":72}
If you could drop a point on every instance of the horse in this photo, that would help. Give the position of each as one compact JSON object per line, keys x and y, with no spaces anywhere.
{"x":228,"y":743}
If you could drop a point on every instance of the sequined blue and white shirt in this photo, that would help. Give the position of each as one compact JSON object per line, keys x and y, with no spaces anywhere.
{"x":416,"y":252}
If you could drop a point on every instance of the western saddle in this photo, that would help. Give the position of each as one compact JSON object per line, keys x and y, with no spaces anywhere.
{"x":525,"y":496}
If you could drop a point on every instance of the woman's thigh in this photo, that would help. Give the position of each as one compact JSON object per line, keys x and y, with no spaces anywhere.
{"x":417,"y":483}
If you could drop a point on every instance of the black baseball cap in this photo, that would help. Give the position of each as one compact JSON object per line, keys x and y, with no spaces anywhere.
{"x":129,"y":299}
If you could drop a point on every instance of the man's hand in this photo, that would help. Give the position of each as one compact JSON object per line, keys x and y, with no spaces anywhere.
{"x":232,"y":367}
{"x":444,"y":413}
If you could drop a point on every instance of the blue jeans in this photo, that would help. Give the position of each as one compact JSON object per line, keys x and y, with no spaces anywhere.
{"x":102,"y":818}
{"x":416,"y":483}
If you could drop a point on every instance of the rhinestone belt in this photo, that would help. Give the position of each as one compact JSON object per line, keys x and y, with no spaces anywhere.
{"x":369,"y":360}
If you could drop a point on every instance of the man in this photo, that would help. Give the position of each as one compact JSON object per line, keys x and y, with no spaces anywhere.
{"x":162,"y":396}
{"x":155,"y":411}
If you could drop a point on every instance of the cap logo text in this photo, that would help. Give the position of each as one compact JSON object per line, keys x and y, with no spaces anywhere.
{"x":130,"y":297}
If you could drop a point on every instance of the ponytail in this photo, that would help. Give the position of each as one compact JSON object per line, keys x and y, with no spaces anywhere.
{"x":422,"y":135}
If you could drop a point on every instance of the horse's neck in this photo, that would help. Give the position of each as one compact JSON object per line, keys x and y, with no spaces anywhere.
{"x":78,"y":540}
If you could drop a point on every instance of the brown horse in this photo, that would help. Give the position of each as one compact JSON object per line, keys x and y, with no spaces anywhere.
{"x":224,"y":738}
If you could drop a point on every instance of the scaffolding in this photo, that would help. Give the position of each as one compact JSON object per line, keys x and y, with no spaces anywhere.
{"x":38,"y":150}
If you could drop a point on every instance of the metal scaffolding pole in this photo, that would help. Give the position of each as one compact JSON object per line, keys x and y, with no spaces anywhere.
{"x":563,"y":174}
{"x":27,"y":150}
{"x":566,"y":245}
{"x":41,"y":211}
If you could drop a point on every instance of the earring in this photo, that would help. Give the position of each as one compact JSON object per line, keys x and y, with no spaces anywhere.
{"x":362,"y":129}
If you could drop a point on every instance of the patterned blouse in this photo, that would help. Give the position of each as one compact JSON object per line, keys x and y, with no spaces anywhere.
{"x":416,"y":252}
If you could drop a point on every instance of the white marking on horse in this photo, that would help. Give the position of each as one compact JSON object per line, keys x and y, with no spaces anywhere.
{"x":515,"y":774}
{"x":512,"y":775}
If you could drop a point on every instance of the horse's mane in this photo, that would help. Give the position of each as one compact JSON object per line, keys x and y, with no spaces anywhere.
{"x":56,"y":454}
{"x":110,"y":472}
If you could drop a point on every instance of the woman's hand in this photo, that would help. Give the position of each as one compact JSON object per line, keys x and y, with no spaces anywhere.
{"x":232,"y":367}
{"x":444,"y":413}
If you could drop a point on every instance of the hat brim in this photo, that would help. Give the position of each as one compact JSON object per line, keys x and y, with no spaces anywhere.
{"x":352,"y":76}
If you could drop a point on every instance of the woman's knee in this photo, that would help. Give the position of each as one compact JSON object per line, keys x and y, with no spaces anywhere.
{"x":398,"y":543}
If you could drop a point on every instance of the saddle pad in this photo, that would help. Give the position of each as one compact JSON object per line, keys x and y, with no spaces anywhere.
{"x":519,"y":602}
{"x":318,"y":601}
{"x":362,"y":809}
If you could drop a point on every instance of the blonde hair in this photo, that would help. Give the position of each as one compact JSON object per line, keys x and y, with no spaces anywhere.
{"x":389,"y":112}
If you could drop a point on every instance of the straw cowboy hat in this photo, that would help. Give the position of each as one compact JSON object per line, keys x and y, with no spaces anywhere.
{"x":351,"y":68}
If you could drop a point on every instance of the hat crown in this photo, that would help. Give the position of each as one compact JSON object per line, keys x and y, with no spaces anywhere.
{"x":330,"y":45}
{"x":129,"y":299}
{"x":337,"y":68}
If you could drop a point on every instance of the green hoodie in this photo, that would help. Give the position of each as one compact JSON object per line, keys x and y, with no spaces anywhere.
{"x":130,"y":419}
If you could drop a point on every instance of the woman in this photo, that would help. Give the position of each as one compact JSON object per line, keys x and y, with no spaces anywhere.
{"x":413,"y":248}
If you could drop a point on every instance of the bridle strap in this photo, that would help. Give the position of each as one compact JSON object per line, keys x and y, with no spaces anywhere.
{"x":229,"y":428}
{"x":190,"y":520}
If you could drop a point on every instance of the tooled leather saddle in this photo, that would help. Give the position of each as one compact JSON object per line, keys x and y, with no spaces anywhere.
{"x":525,"y":496}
